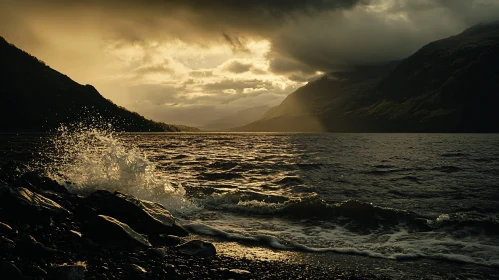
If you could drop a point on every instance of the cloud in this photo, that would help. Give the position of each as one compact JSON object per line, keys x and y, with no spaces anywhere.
{"x":238,"y":67}
{"x":214,"y":56}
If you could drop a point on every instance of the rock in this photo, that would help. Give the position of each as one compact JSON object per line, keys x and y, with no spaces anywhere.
{"x":165,"y":240}
{"x":137,"y":269}
{"x":10,"y":271}
{"x":42,"y":183}
{"x":197,"y":248}
{"x":238,"y":273}
{"x":23,"y":205}
{"x":5,"y":229}
{"x":172,"y":272}
{"x":68,"y":272}
{"x":106,"y":230}
{"x":158,"y":252}
{"x":75,"y":234}
{"x":7,"y":246}
{"x":30,"y":247}
{"x":143,"y":216}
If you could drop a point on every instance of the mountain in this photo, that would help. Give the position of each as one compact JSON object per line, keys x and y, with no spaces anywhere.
{"x":35,"y":97}
{"x":450,"y":85}
{"x":239,"y":118}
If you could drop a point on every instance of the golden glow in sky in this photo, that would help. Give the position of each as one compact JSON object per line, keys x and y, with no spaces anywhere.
{"x":192,"y":61}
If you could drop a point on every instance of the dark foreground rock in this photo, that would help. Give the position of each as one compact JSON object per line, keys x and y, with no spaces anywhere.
{"x":110,"y":232}
{"x":48,"y":233}
{"x":143,"y":216}
{"x":197,"y":248}
{"x":21,"y":204}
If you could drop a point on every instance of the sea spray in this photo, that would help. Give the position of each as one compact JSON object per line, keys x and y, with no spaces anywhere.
{"x":89,"y":158}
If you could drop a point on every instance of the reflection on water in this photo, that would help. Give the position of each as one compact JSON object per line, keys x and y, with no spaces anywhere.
{"x":285,"y":191}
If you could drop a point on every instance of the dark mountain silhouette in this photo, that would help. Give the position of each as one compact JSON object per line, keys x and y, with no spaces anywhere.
{"x":35,"y":97}
{"x":450,"y":85}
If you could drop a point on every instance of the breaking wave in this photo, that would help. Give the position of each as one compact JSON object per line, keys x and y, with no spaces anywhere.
{"x":90,"y":158}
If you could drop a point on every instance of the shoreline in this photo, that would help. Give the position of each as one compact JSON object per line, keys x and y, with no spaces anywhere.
{"x":48,"y":233}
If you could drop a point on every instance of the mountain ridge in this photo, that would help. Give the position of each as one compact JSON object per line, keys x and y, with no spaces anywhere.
{"x":449,"y":85}
{"x":35,"y":98}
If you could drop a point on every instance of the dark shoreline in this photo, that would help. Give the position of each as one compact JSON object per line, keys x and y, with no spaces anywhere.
{"x":41,"y":226}
{"x":48,"y":233}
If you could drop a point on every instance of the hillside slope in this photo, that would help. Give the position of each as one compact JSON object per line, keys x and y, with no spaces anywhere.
{"x":450,"y":85}
{"x":35,"y":97}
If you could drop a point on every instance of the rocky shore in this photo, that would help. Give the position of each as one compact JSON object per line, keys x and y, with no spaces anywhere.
{"x":48,"y":233}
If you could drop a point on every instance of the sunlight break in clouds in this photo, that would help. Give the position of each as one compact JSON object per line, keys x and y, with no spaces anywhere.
{"x":192,"y":61}
{"x":162,"y":78}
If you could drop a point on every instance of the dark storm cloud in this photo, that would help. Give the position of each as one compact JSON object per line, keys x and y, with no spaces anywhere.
{"x":286,"y":65}
{"x":307,"y":35}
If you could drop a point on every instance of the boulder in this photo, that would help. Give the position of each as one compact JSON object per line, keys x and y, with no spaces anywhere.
{"x":143,"y":216}
{"x":23,"y":205}
{"x":158,"y":252}
{"x":235,"y":273}
{"x":165,"y":240}
{"x":5,"y":229}
{"x":197,"y":248}
{"x":106,"y":230}
{"x":10,"y":271}
{"x":44,"y":183}
{"x":29,"y":247}
{"x":137,"y":269}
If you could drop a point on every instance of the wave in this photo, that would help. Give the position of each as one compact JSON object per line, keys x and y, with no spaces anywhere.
{"x":394,"y":248}
{"x":87,"y":159}
{"x":357,"y":216}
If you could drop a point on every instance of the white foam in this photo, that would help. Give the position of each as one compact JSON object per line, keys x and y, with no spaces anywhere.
{"x":95,"y":159}
{"x":397,"y":245}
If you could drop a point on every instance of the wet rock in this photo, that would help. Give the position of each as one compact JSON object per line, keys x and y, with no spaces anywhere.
{"x":75,"y":234}
{"x":5,"y":229}
{"x":68,"y":272}
{"x":7,"y":246}
{"x":21,"y":204}
{"x":143,"y":216}
{"x":172,"y":272}
{"x":137,"y":269}
{"x":197,"y":248}
{"x":158,"y":252}
{"x":10,"y":271}
{"x":28,"y":246}
{"x":165,"y":240}
{"x":106,"y":230}
{"x":38,"y":182}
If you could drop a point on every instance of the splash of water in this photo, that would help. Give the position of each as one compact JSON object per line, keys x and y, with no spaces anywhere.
{"x":89,"y":158}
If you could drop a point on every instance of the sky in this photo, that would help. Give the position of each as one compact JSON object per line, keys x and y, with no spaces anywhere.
{"x":194,"y":61}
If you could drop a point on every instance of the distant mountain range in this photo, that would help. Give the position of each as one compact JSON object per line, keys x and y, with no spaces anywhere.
{"x":238,"y":118}
{"x":450,"y":85}
{"x":35,"y":97}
